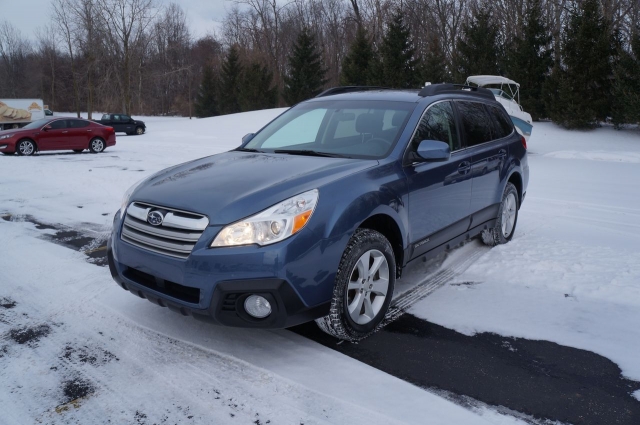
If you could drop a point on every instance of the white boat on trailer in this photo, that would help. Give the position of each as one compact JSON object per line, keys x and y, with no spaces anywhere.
{"x":507,"y":92}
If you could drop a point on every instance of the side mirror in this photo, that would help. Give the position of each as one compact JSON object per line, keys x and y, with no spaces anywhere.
{"x":47,"y":128}
{"x":247,"y":137}
{"x":433,"y":150}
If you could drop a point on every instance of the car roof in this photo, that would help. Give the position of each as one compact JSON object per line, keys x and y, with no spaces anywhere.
{"x":396,"y":95}
{"x":406,"y":95}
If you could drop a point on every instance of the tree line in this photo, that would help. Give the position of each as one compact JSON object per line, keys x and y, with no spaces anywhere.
{"x":578,"y":61}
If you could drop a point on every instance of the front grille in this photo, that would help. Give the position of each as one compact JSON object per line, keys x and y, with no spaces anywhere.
{"x":175,"y":290}
{"x":175,"y":237}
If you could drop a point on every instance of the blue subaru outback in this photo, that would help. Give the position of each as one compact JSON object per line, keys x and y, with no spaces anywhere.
{"x":315,"y":216}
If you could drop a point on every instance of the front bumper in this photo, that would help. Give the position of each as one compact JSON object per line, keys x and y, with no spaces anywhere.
{"x":296,"y":276}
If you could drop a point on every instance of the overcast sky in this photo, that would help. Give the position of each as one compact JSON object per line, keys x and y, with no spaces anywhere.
{"x":203,"y":16}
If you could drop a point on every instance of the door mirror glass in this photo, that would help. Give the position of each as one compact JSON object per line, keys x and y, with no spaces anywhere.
{"x":433,"y":150}
{"x":247,"y":137}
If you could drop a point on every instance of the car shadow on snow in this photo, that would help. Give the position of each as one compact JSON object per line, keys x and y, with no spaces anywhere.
{"x":541,"y":379}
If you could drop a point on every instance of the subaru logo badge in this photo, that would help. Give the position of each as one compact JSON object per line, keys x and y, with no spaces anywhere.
{"x":155,"y":218}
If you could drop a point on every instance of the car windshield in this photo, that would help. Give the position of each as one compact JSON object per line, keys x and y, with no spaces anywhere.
{"x":354,"y":129}
{"x":36,"y":124}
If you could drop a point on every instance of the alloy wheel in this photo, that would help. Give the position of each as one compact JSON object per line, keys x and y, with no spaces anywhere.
{"x":97,"y":145}
{"x":26,"y":148}
{"x":368,"y":287}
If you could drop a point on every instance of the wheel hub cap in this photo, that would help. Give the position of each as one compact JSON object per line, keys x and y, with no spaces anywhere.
{"x":368,"y":286}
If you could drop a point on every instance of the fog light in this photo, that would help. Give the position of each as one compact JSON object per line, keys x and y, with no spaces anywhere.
{"x":257,"y":306}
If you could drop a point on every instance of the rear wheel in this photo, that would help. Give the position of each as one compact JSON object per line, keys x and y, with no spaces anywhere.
{"x":96,"y":145}
{"x":26,"y":147}
{"x":507,"y":219}
{"x":363,"y":287}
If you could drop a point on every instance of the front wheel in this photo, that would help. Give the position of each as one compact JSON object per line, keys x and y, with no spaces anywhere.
{"x":363,"y":287}
{"x":26,"y":148}
{"x":507,"y":219}
{"x":139,"y":130}
{"x":96,"y":145}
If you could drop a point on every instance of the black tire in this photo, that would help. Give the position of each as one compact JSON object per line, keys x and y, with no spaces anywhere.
{"x":26,"y":147}
{"x":339,"y":322}
{"x":508,"y":211}
{"x":139,"y":131}
{"x":97,"y":145}
{"x":78,"y":150}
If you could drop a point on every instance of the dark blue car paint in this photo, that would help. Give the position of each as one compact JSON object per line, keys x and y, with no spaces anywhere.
{"x":430,"y":203}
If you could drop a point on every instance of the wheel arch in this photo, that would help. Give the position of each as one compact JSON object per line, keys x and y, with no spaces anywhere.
{"x":389,"y":228}
{"x":29,"y":139}
{"x":515,"y":178}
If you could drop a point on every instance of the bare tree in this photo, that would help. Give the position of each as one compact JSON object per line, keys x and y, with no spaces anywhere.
{"x":13,"y":51}
{"x":126,"y":22}
{"x":64,"y":19}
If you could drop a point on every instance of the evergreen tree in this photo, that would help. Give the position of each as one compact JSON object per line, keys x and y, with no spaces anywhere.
{"x":434,"y":66}
{"x":230,"y":82}
{"x":206,"y":104}
{"x":397,"y":56}
{"x":584,"y":87}
{"x":306,"y":75}
{"x":478,"y":50}
{"x":257,"y":91}
{"x":626,"y":85}
{"x":529,"y":60}
{"x":356,"y":66}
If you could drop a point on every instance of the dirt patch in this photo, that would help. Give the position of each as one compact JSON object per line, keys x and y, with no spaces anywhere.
{"x":7,"y":303}
{"x":77,"y":388}
{"x":88,"y":355}
{"x":29,"y":334}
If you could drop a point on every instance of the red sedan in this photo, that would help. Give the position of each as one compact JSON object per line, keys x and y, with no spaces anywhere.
{"x":57,"y":134}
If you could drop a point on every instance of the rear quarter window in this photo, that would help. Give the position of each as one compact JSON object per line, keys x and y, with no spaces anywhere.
{"x":476,"y":123}
{"x":502,"y":125}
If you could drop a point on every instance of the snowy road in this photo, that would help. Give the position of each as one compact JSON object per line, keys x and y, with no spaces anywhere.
{"x":75,"y":348}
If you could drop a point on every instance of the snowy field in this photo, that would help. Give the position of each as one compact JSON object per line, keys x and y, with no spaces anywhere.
{"x":75,"y":348}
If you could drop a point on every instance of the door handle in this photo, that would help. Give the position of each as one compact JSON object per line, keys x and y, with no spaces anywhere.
{"x":66,"y":131}
{"x":502,"y":153}
{"x":464,"y":167}
{"x":89,"y":130}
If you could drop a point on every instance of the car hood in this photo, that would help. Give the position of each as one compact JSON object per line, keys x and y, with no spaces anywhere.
{"x":234,"y":185}
{"x":18,"y":131}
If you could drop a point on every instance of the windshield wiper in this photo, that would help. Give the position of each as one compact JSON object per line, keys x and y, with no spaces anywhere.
{"x":308,"y":152}
{"x":248,"y":150}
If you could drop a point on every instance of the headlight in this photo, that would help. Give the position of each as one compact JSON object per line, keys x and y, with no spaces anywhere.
{"x":6,"y":136}
{"x":271,"y":225}
{"x":127,"y":195}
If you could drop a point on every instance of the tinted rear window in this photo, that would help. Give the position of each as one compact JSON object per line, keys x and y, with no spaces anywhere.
{"x":78,"y":123}
{"x":502,"y":125}
{"x":475,"y":122}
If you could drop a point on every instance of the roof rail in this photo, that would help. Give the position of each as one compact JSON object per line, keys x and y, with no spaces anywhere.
{"x":349,"y":89}
{"x":434,"y":89}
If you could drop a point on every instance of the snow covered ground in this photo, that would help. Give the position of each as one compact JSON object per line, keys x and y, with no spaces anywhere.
{"x":75,"y":348}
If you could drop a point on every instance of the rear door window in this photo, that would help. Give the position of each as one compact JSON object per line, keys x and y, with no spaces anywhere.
{"x":78,"y":123}
{"x":502,"y":126}
{"x":475,"y":122}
